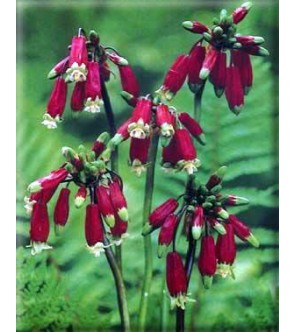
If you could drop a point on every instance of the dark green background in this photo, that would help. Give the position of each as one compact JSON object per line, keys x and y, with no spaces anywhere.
{"x":69,"y":289}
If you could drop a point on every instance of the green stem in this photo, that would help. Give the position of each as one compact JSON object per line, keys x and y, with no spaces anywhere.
{"x":148,"y":268}
{"x":121,"y":292}
{"x":115,"y":156}
{"x":198,"y":103}
{"x":111,"y":122}
{"x":164,"y":308}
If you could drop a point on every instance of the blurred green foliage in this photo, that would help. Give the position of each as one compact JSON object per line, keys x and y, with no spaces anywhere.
{"x":68,"y":289}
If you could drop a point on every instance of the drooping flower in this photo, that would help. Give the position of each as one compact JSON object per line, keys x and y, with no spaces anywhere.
{"x":175,"y":77}
{"x":138,"y":154}
{"x":93,"y":98}
{"x":226,"y":252}
{"x":78,"y":97}
{"x":197,"y":223}
{"x":176,"y":280}
{"x":80,"y":196}
{"x":39,"y":228}
{"x":118,"y":201}
{"x":61,"y":211}
{"x":207,"y":260}
{"x":78,"y":59}
{"x":56,"y":104}
{"x":59,"y":69}
{"x":166,"y":234}
{"x":94,"y":233}
{"x":141,"y":117}
{"x":158,"y":215}
{"x":105,"y":205}
{"x":195,"y":62}
{"x":48,"y":182}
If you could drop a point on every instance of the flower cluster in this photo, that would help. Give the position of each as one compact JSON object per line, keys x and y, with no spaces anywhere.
{"x":225,"y":60}
{"x":87,"y":66}
{"x":176,"y":129}
{"x":203,"y":212}
{"x":87,"y":170}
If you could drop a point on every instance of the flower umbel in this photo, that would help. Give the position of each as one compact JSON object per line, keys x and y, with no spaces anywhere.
{"x":87,"y":67}
{"x":107,"y":208}
{"x":203,"y":212}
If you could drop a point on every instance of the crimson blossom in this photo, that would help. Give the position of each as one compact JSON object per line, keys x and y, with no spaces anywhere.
{"x":221,"y":55}
{"x":87,"y":66}
{"x":175,"y":129}
{"x":203,"y":216}
{"x":106,"y":217}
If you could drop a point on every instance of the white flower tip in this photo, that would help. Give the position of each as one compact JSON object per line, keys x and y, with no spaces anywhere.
{"x":38,"y":247}
{"x":97,"y":249}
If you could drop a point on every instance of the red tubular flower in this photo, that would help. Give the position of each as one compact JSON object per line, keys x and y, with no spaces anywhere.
{"x":243,"y":62}
{"x":170,"y":154}
{"x":209,"y":62}
{"x":187,"y":155}
{"x":242,"y":231}
{"x":175,"y":77}
{"x":93,"y":89}
{"x":138,"y":154}
{"x":176,"y":280}
{"x":78,"y":60}
{"x":105,"y":71}
{"x":195,"y":62}
{"x":56,"y":104}
{"x":195,"y":27}
{"x":42,"y":196}
{"x":221,"y":213}
{"x":216,"y":178}
{"x":39,"y":228}
{"x":118,"y":200}
{"x":119,"y":230}
{"x":207,"y":260}
{"x":48,"y":182}
{"x":239,"y":13}
{"x":61,"y":211}
{"x":197,"y":222}
{"x":141,"y":117}
{"x":166,"y":234}
{"x":80,"y":196}
{"x":255,"y":50}
{"x":159,"y":214}
{"x":128,"y":80}
{"x":59,"y":69}
{"x":192,"y":126}
{"x":226,"y":251}
{"x":78,"y":97}
{"x":249,"y":40}
{"x":100,"y":144}
{"x":122,"y":133}
{"x":165,"y":120}
{"x":234,"y":90}
{"x":94,"y":233}
{"x":105,"y":205}
{"x":232,"y":200}
{"x":215,"y":224}
{"x":218,"y":74}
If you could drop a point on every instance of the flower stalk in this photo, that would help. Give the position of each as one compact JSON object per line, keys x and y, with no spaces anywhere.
{"x":148,"y":268}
